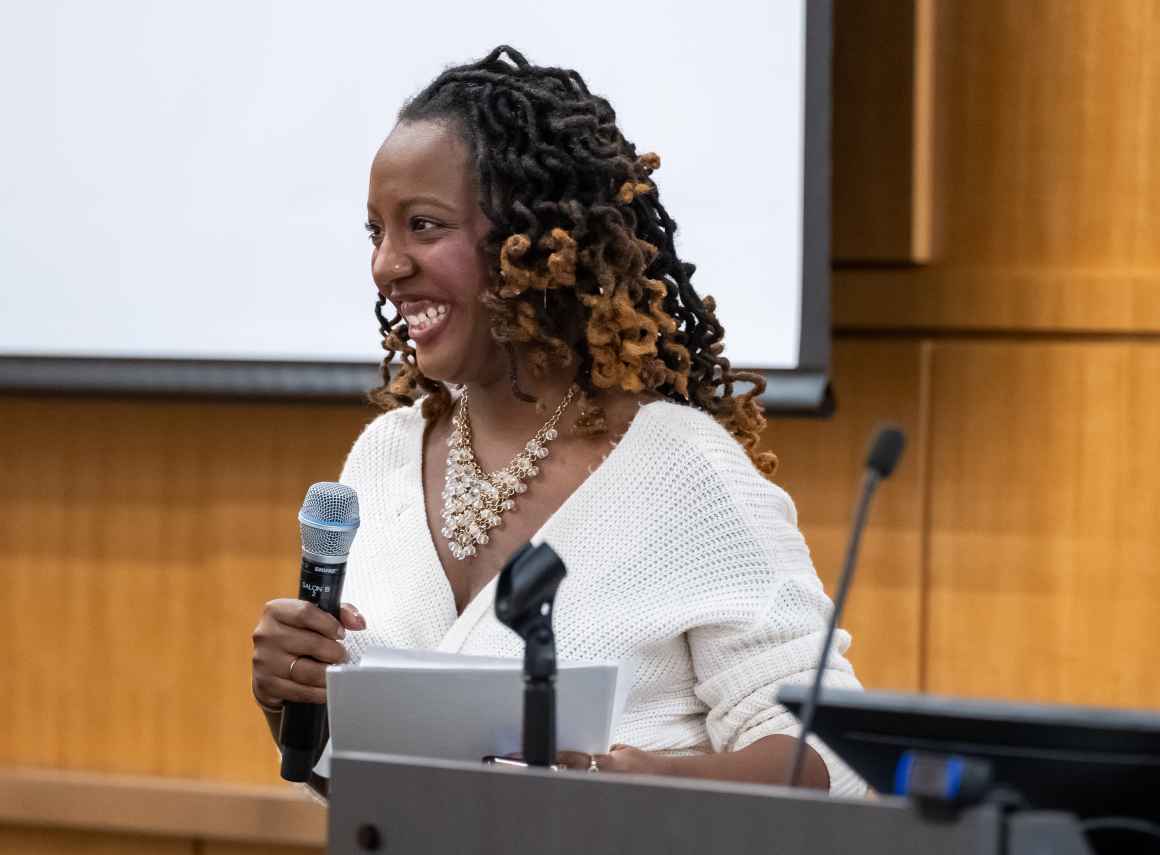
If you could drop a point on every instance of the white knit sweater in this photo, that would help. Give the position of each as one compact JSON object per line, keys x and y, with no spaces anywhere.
{"x":682,"y":560}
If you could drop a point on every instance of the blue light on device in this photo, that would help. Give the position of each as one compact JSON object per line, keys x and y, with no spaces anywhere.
{"x":949,"y":778}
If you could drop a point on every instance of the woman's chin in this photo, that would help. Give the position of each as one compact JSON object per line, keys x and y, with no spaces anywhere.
{"x":431,"y":366}
{"x":437,"y":364}
{"x":456,"y":366}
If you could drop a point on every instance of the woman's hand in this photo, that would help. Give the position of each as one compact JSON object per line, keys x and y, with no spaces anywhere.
{"x":625,"y":758}
{"x":299,"y":634}
{"x":620,"y":758}
{"x":766,"y":761}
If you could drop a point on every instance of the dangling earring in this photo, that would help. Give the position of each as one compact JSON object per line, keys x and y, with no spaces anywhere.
{"x":512,"y":373}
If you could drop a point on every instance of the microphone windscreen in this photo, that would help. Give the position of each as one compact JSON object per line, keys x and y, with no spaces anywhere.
{"x":328,"y":520}
{"x":885,"y":450}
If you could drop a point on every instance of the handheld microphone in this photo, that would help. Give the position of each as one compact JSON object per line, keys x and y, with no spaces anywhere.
{"x":327,"y":521}
{"x":882,"y":457}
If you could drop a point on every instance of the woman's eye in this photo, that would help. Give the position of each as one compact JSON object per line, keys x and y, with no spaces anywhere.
{"x":422,"y":224}
{"x":374,"y":233}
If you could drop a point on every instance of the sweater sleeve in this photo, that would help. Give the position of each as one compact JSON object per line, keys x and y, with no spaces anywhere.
{"x":740,"y":661}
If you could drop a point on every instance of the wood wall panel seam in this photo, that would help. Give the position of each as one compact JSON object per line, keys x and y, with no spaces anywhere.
{"x":923,"y":450}
{"x":1001,"y":299}
{"x":1027,"y":337}
{"x":923,"y":231}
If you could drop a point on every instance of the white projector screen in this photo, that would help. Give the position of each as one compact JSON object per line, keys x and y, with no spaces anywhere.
{"x":186,"y":183}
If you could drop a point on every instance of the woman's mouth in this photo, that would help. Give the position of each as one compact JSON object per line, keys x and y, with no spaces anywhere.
{"x":423,"y":321}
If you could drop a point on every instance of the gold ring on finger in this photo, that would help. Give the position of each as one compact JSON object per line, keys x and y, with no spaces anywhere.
{"x":293,"y":662}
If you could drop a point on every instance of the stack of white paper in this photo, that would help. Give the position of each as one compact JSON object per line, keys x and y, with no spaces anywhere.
{"x":432,"y":704}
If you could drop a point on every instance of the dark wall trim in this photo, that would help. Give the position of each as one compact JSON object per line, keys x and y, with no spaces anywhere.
{"x":216,"y":378}
{"x":797,"y":393}
{"x":786,"y":391}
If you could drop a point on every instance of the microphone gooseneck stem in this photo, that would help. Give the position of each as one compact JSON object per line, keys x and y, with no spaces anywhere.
{"x":539,"y":741}
{"x":861,"y":508}
{"x":539,"y":722}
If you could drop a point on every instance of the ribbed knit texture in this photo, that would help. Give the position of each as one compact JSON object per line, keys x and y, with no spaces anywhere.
{"x":683,"y":562}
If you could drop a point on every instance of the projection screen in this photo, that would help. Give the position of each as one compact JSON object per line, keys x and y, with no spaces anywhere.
{"x":183,"y":186}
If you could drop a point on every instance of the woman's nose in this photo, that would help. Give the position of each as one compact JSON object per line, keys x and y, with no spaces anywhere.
{"x":388,"y":266}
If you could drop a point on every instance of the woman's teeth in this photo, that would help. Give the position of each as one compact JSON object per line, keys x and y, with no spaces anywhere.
{"x":419,"y":321}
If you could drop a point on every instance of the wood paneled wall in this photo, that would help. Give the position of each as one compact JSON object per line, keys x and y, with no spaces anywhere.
{"x":1040,"y":322}
{"x":149,"y":533}
{"x":1047,"y":192}
{"x":1015,"y":554}
{"x":1045,"y":521}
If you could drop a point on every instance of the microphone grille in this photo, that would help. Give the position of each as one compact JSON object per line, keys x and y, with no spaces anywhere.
{"x":885,"y":449}
{"x":328,"y":520}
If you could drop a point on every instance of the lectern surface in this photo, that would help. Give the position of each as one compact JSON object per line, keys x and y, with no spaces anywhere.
{"x":432,"y":806}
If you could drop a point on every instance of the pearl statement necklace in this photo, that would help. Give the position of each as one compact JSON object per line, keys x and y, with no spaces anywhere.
{"x":474,"y":500}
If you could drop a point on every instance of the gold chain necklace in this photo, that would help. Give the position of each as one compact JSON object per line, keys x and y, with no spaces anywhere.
{"x":474,"y":500}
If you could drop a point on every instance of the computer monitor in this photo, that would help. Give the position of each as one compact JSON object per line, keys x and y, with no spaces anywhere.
{"x":1092,"y":762}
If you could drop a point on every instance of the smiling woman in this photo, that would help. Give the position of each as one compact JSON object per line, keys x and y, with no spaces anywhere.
{"x":522,"y":245}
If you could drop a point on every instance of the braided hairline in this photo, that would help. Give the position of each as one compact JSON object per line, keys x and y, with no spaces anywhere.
{"x":581,"y":255}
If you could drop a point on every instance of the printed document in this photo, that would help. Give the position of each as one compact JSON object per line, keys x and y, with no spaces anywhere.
{"x":424,"y":703}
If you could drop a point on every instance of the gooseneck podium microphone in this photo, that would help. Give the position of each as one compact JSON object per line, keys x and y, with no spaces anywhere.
{"x":524,"y":596}
{"x":885,"y":450}
{"x":328,"y":522}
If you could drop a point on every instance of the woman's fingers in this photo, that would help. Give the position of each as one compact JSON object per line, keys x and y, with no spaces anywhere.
{"x":625,"y":758}
{"x":272,"y":663}
{"x":268,"y":687}
{"x":620,"y":758}
{"x":610,"y":762}
{"x":307,"y":671}
{"x":304,"y":615}
{"x":301,"y":642}
{"x":573,"y":760}
{"x":351,"y":618}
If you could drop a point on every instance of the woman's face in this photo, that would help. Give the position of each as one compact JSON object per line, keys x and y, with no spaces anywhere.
{"x":426,"y":226}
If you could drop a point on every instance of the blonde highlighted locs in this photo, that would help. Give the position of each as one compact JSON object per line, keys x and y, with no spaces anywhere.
{"x":581,"y":254}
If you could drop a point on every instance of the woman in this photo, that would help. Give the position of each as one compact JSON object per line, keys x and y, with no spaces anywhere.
{"x":528,"y":261}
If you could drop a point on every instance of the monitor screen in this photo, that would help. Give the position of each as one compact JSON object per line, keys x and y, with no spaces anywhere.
{"x":1092,"y":762}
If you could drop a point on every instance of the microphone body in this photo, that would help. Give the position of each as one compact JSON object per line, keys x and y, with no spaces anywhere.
{"x":885,"y":450}
{"x":302,"y":724}
{"x":328,"y":520}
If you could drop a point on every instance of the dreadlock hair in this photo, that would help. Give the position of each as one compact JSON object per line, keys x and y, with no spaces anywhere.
{"x":583,"y":268}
